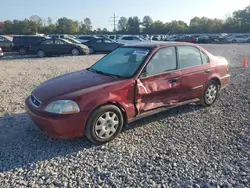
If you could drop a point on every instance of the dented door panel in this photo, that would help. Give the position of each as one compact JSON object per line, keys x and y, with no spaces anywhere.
{"x":157,"y":91}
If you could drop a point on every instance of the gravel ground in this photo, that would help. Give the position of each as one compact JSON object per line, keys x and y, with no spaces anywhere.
{"x":189,"y":146}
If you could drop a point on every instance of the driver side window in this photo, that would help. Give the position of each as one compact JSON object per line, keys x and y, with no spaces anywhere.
{"x":163,"y":60}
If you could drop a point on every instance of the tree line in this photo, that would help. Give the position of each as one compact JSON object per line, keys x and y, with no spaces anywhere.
{"x":239,"y":22}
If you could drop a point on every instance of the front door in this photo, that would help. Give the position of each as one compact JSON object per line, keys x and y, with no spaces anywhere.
{"x":158,"y":84}
{"x":61,"y":47}
{"x":195,"y":70}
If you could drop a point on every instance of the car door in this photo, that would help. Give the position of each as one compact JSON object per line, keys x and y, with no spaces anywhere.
{"x":195,"y":70}
{"x":47,"y":46}
{"x":61,"y":47}
{"x":158,"y":83}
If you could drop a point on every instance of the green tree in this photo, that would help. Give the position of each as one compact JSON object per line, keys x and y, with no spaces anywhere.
{"x":147,"y":21}
{"x":88,"y":24}
{"x":122,"y":24}
{"x":8,"y":27}
{"x":65,"y":25}
{"x":133,"y":25}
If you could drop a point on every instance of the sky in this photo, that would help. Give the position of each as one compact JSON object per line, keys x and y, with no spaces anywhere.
{"x":101,"y":11}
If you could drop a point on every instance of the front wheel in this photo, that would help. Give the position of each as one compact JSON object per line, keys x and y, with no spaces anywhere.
{"x":210,"y":94}
{"x":104,"y":124}
{"x":75,"y":52}
{"x":234,"y":41}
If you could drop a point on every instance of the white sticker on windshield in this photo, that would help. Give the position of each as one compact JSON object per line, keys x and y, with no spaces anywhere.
{"x":140,"y":52}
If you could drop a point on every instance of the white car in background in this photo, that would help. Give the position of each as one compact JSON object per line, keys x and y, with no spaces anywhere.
{"x":238,"y":38}
{"x":130,"y":39}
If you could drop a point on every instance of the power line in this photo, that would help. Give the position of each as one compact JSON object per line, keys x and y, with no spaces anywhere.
{"x":114,"y":20}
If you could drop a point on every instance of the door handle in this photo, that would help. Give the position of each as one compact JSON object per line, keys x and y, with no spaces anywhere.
{"x":173,"y":80}
{"x":207,"y":71}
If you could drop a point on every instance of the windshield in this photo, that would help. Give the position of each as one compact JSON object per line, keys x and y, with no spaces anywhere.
{"x":122,"y":62}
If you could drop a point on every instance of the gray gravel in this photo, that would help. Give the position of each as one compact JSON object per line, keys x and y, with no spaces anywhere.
{"x":189,"y":146}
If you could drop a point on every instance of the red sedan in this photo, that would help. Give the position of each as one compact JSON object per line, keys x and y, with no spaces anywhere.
{"x":131,"y":82}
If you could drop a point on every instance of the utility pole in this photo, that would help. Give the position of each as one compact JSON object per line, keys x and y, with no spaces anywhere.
{"x":114,"y":20}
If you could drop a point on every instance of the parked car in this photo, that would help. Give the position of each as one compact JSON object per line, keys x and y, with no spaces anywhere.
{"x":114,"y":37}
{"x":6,"y":43}
{"x":22,"y":44}
{"x":187,"y":39}
{"x":73,"y":40}
{"x":238,"y":38}
{"x":1,"y":52}
{"x":102,"y":45}
{"x":51,"y":47}
{"x":131,"y":82}
{"x":130,"y":39}
{"x":207,"y":39}
{"x":56,"y":36}
{"x":85,"y":38}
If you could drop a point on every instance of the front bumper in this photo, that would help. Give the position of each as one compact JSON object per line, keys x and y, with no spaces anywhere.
{"x":57,"y":125}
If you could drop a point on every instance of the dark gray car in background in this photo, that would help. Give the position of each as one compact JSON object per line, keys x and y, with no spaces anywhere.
{"x":6,"y":43}
{"x":102,"y":45}
{"x":50,"y":47}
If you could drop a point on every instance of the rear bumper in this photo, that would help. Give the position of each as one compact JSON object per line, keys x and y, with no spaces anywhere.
{"x":58,"y":126}
{"x":225,"y":80}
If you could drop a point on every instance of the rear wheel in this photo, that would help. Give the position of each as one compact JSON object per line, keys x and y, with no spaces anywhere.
{"x":40,"y":53}
{"x":210,"y":94}
{"x":234,"y":41}
{"x":22,"y":51}
{"x":75,"y":52}
{"x":104,"y":124}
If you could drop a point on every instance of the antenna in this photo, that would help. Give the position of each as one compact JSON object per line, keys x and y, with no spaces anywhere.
{"x":114,"y":20}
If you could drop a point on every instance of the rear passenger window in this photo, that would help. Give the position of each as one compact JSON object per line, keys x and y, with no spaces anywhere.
{"x":204,"y":58}
{"x":127,"y":38}
{"x":163,"y":60}
{"x":188,"y":56}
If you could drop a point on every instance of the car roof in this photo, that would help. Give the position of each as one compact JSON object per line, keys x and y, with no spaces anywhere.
{"x":155,"y":44}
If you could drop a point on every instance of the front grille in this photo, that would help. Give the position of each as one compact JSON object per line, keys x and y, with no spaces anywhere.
{"x":35,"y":101}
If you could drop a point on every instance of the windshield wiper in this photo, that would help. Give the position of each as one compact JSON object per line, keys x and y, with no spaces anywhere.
{"x":104,"y":73}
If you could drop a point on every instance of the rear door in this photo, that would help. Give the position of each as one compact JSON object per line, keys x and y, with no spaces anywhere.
{"x":158,"y":84}
{"x":195,"y":70}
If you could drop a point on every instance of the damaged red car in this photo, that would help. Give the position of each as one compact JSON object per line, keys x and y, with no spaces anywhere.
{"x":131,"y":82}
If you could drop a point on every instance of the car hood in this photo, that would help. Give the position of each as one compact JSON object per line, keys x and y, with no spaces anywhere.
{"x":68,"y":83}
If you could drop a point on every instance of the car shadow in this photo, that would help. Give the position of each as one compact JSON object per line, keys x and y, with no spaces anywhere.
{"x":22,"y":144}
{"x":163,"y":115}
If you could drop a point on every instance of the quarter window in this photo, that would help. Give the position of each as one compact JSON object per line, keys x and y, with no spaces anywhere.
{"x":163,"y":60}
{"x":188,"y":56}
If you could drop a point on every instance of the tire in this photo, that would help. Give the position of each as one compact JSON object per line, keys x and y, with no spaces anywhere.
{"x":99,"y":126}
{"x":40,"y":53}
{"x":248,"y":41}
{"x":22,"y":51}
{"x":91,"y":50}
{"x":75,"y":52}
{"x":234,"y":41}
{"x":210,"y":94}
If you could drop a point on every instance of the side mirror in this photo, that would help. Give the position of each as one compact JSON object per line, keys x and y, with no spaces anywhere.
{"x":143,"y":73}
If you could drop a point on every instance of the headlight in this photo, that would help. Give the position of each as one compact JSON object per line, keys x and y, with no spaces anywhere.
{"x":63,"y":107}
